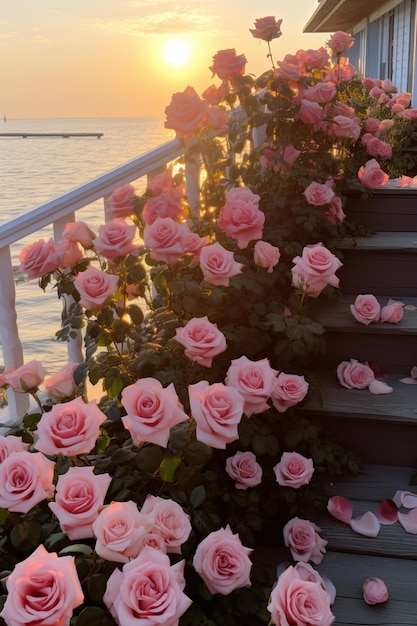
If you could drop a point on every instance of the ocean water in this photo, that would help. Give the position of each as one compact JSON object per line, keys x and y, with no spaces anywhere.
{"x":35,"y":170}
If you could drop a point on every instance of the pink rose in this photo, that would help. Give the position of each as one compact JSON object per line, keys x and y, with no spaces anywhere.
{"x":217,"y":118}
{"x":167,"y":239}
{"x":78,"y":499}
{"x":377,"y":148}
{"x":152,"y":411}
{"x":95,"y":287}
{"x":371,"y":175}
{"x":315,"y":269}
{"x":10,"y":444}
{"x":165,"y":204}
{"x":310,"y":113}
{"x":318,"y":194}
{"x":371,"y":125}
{"x":79,"y":232}
{"x":341,"y":72}
{"x":228,"y":65}
{"x":214,"y":95}
{"x":119,"y":529}
{"x":25,"y":480}
{"x":69,"y":428}
{"x":335,"y":214}
{"x":148,"y":591}
{"x":115,"y":239}
{"x":288,"y":390}
{"x":366,"y":309}
{"x":322,"y":93}
{"x":241,"y":217}
{"x":288,"y":71}
{"x":68,"y":251}
{"x":223,"y":562}
{"x":42,"y":589}
{"x":313,"y":59}
{"x":153,"y":540}
{"x":202,"y":340}
{"x":265,"y":255}
{"x":267,"y":28}
{"x":392,"y":312}
{"x":186,"y":113}
{"x":218,"y":264}
{"x":304,"y":541}
{"x":385,"y":126}
{"x":254,"y":380}
{"x":61,"y":385}
{"x":344,"y":126}
{"x":195,"y":244}
{"x":340,"y":41}
{"x":280,"y":161}
{"x":169,"y":520}
{"x":244,"y":469}
{"x":374,"y":591}
{"x":26,"y":377}
{"x":217,"y":411}
{"x":354,"y":375}
{"x":293,"y":470}
{"x":39,"y":258}
{"x":121,"y":202}
{"x":295,"y":601}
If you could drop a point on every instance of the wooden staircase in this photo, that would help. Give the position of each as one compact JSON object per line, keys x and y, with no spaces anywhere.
{"x":381,"y":429}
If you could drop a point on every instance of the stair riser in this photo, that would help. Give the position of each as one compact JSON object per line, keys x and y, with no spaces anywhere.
{"x":384,"y":212}
{"x":383,"y":273}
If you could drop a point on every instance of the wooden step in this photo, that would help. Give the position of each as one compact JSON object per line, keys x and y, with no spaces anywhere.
{"x":384,"y":210}
{"x":384,"y":263}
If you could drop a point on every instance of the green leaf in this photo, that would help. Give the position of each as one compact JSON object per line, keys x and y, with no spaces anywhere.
{"x":197,"y":454}
{"x":168,"y":468}
{"x":26,"y":536}
{"x":77,"y":549}
{"x":149,"y":458}
{"x":136,"y":314}
{"x":197,"y":497}
{"x":93,"y":616}
{"x":30,"y":420}
{"x":4,"y":514}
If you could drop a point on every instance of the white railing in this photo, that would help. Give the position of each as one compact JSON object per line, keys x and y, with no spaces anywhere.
{"x":57,"y":213}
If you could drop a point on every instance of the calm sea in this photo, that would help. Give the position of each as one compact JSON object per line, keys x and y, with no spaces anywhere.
{"x":35,"y":170}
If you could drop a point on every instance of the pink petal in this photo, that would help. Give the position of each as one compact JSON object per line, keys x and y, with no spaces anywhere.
{"x":366,"y":525}
{"x":341,"y":508}
{"x":330,"y":588}
{"x":409,"y":381}
{"x":387,"y":512}
{"x":409,"y":499}
{"x":377,"y":387}
{"x":409,"y":521}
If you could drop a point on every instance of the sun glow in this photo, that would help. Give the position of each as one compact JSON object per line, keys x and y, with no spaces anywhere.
{"x":177,"y":52}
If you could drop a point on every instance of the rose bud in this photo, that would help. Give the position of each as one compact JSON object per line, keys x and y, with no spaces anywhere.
{"x":374,"y":591}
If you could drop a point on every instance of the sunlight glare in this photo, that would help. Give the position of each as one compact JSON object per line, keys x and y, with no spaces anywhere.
{"x":177,"y":52}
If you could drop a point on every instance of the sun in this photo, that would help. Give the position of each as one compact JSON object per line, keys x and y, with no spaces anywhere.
{"x":177,"y":52}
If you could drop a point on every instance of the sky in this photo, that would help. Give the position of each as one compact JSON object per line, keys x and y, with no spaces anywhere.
{"x":105,"y":58}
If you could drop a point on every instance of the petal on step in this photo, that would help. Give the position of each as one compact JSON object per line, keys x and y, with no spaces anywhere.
{"x":377,"y":387}
{"x":387,"y":512}
{"x":366,"y":525}
{"x":341,"y":508}
{"x":409,"y":521}
{"x":409,"y":499}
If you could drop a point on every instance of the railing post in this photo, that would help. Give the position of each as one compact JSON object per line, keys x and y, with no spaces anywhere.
{"x":192,"y":183}
{"x":18,"y":403}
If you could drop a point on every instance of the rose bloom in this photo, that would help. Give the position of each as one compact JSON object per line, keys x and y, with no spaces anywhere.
{"x":214,"y":95}
{"x":392,"y":312}
{"x":244,"y":469}
{"x":69,"y":428}
{"x":267,"y":28}
{"x":298,"y":602}
{"x":377,"y":148}
{"x":293,"y":470}
{"x":169,"y":520}
{"x":218,"y":264}
{"x":217,"y":118}
{"x":202,"y":340}
{"x":288,"y":71}
{"x":341,"y":72}
{"x":340,"y":41}
{"x":315,"y":269}
{"x":167,"y":239}
{"x":310,"y":113}
{"x":223,"y":562}
{"x":217,"y":411}
{"x":68,"y":251}
{"x":304,"y":541}
{"x":95,"y":287}
{"x":366,"y":309}
{"x":266,"y":255}
{"x":119,"y":529}
{"x":288,"y":390}
{"x":79,"y":232}
{"x":313,"y":59}
{"x":121,"y":202}
{"x":254,"y":380}
{"x":61,"y":385}
{"x":344,"y":126}
{"x":148,"y":591}
{"x":79,"y":497}
{"x":279,"y":161}
{"x":374,"y":591}
{"x":322,"y":93}
{"x":25,"y":480}
{"x":115,"y":239}
{"x":152,"y":411}
{"x":371,"y":175}
{"x":241,"y":217}
{"x":195,"y":244}
{"x":42,"y":589}
{"x":318,"y":194}
{"x":186,"y":113}
{"x":39,"y":258}
{"x":10,"y":444}
{"x":335,"y":214}
{"x":228,"y":65}
{"x":165,"y":204}
{"x":26,"y":377}
{"x":354,"y":375}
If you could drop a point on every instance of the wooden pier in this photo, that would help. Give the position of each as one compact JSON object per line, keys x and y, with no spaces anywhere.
{"x":63,"y":135}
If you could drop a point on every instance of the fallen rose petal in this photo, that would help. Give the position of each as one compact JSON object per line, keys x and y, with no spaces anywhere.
{"x":329,"y":587}
{"x":340,"y":508}
{"x":409,"y":521}
{"x":386,"y":512}
{"x":377,"y":387}
{"x":409,"y":499}
{"x":409,"y":381}
{"x":366,"y":525}
{"x":397,"y":498}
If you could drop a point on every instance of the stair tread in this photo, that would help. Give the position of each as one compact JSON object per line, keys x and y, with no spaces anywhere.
{"x":388,"y":241}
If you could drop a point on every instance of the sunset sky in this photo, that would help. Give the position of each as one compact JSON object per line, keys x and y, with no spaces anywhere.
{"x":105,"y":58}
